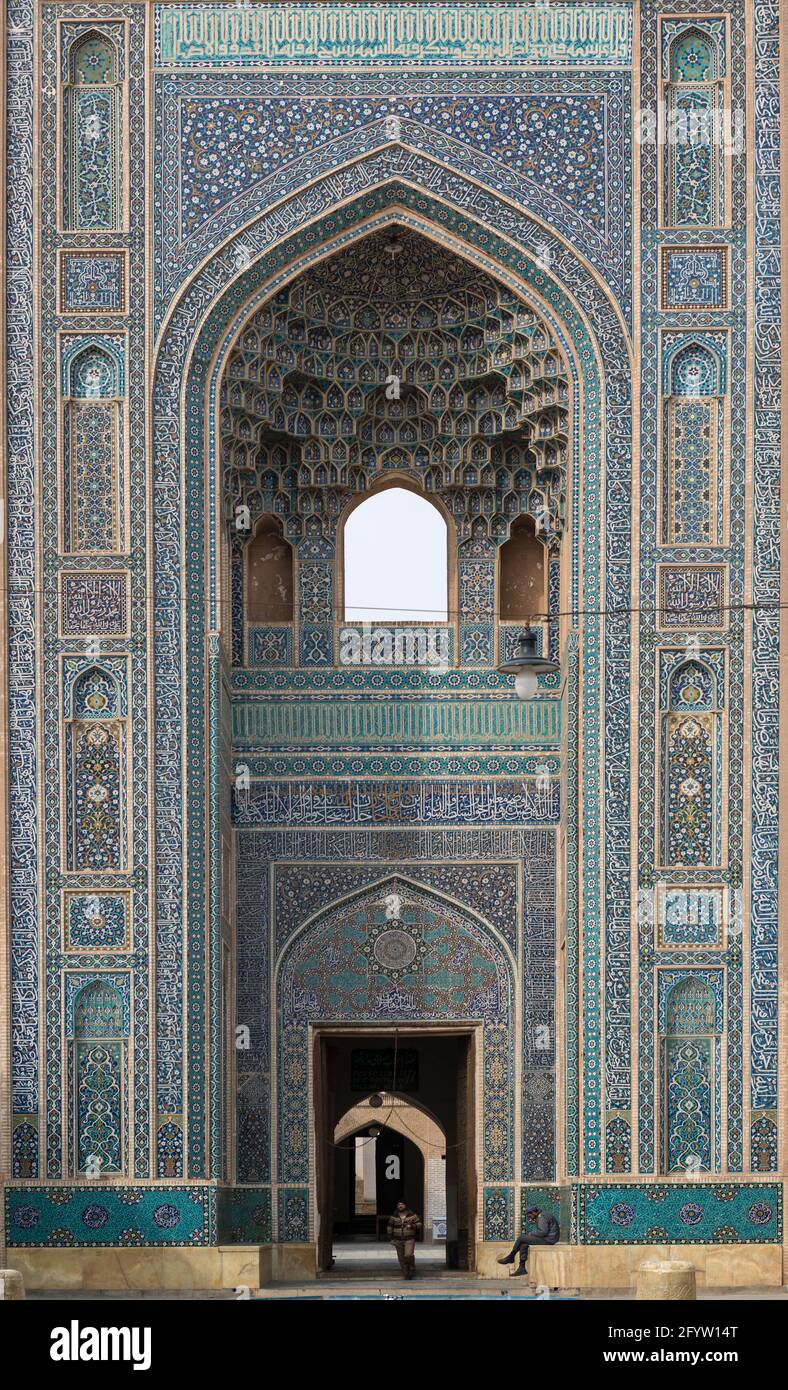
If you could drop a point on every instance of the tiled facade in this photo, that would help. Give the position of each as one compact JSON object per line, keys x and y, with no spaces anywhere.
{"x":207,"y":811}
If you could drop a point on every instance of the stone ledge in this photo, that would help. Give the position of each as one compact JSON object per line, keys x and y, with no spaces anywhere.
{"x":208,"y":1268}
{"x":153,"y":1267}
{"x":131,"y":1268}
{"x":565,"y":1266}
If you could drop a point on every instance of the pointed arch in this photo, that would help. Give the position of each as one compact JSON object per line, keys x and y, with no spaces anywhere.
{"x":190,"y":354}
{"x":522,"y":573}
{"x":98,"y":1065}
{"x":93,"y":373}
{"x":693,"y":686}
{"x":693,"y":72}
{"x":341,"y":967}
{"x":94,"y":767}
{"x":352,"y":1122}
{"x":93,"y":58}
{"x":96,"y":694}
{"x":268,"y":574}
{"x":692,"y":767}
{"x":693,"y":56}
{"x":694,"y":372}
{"x":695,"y":366}
{"x":98,"y":1011}
{"x":695,"y":429}
{"x":338,"y":157}
{"x":94,"y":445}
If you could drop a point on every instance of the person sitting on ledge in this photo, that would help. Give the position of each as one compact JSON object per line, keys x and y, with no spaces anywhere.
{"x":546,"y":1233}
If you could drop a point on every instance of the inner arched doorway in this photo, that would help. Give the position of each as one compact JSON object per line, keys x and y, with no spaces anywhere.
{"x":387,"y":1148}
{"x":381,"y":1167}
{"x":374,"y":1169}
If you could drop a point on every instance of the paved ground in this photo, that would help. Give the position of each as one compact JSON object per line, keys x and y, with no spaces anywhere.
{"x":444,"y":1290}
{"x":365,"y":1255}
{"x":322,"y":1291}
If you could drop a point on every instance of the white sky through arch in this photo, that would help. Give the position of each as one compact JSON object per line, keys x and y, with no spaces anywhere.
{"x":396,"y":560}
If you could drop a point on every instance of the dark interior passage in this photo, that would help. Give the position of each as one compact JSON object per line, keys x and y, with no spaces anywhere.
{"x":374,"y":1169}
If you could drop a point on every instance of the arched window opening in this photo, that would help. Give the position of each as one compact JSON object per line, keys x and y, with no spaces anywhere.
{"x":523,"y":573}
{"x":396,"y":560}
{"x":269,"y":575}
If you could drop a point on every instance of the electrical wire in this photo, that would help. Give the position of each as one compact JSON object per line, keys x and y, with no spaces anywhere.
{"x":618,"y":610}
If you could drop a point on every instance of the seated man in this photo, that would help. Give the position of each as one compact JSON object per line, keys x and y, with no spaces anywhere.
{"x":546,"y":1233}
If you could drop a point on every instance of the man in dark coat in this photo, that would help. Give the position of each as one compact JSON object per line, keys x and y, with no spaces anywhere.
{"x":403,"y":1228}
{"x":546,"y":1233}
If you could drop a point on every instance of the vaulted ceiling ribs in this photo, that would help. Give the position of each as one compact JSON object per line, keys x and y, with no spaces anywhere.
{"x":396,"y":354}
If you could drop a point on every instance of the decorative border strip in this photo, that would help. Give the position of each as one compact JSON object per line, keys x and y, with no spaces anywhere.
{"x":385,"y":35}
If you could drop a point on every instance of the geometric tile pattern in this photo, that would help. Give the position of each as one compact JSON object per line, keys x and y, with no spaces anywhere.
{"x":358,"y":985}
{"x":283,"y":129}
{"x":703,"y":594}
{"x":680,"y":1213}
{"x":303,"y":886}
{"x":244,"y":1216}
{"x":92,"y":282}
{"x":634,"y":1214}
{"x":73,"y":1216}
{"x":769,"y":59}
{"x":96,"y":922}
{"x":694,"y":277}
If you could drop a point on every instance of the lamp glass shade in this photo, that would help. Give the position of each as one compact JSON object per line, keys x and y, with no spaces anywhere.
{"x":525,"y":685}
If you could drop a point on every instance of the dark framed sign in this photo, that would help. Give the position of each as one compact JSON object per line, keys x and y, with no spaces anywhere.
{"x":373,"y":1069}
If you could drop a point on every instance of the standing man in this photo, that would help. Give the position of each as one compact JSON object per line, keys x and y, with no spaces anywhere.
{"x":546,"y":1233}
{"x":403,"y":1228}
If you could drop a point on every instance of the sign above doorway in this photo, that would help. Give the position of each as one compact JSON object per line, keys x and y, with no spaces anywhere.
{"x":372,"y":1069}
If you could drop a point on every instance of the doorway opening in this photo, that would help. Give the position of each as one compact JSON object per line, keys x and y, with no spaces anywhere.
{"x":395,"y":1121}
